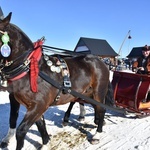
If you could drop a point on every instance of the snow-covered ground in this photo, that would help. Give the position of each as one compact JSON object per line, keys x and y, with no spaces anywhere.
{"x":119,"y":133}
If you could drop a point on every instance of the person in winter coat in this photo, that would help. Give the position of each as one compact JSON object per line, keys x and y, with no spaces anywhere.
{"x":142,"y":65}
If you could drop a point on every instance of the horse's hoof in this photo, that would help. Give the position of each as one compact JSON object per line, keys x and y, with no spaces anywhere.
{"x":81,"y":118}
{"x":3,"y":145}
{"x":46,"y":147}
{"x":97,"y":121}
{"x":64,"y":123}
{"x":96,"y":138}
{"x":94,"y":141}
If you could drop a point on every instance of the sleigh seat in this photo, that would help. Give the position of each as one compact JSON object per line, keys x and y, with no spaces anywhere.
{"x":131,"y":91}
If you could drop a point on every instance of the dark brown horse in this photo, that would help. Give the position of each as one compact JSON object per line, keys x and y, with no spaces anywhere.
{"x":19,"y":69}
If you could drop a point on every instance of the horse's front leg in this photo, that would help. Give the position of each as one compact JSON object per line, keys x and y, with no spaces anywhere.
{"x":14,"y":110}
{"x":42,"y":129}
{"x":82,"y":112}
{"x":32,"y":116}
{"x":67,"y":114}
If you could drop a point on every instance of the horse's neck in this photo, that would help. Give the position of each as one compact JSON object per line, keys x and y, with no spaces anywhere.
{"x":23,"y":41}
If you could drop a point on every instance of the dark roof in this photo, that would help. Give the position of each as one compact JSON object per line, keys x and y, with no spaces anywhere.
{"x":96,"y":46}
{"x":135,"y":52}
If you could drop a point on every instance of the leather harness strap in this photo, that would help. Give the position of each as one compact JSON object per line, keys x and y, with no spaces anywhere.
{"x":78,"y":95}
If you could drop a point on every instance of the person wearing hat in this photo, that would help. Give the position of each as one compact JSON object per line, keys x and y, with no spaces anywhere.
{"x":142,"y":65}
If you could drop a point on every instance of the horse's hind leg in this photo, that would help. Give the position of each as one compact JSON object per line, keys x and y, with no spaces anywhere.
{"x":99,"y":95}
{"x":14,"y":110}
{"x":99,"y":120}
{"x":97,"y":117}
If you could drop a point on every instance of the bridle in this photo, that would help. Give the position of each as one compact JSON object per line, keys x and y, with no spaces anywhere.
{"x":10,"y":70}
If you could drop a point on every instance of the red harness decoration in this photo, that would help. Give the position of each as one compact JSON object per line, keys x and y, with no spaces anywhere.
{"x":34,"y":58}
{"x":34,"y":68}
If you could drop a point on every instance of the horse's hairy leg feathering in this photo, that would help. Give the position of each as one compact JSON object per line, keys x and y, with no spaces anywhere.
{"x":10,"y":135}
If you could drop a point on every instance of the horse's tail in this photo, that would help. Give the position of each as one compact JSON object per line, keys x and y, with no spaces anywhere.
{"x":109,"y":99}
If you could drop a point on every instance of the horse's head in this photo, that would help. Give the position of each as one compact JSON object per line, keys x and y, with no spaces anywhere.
{"x":15,"y":46}
{"x":14,"y":38}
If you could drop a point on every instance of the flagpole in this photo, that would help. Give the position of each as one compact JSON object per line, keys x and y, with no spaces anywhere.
{"x":120,"y":50}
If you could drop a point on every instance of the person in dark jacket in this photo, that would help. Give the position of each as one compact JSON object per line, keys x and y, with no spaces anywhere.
{"x":142,"y":65}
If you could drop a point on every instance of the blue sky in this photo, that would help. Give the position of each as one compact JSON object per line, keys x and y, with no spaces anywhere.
{"x":63,"y":22}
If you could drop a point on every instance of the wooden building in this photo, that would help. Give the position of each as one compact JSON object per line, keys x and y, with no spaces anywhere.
{"x":98,"y":47}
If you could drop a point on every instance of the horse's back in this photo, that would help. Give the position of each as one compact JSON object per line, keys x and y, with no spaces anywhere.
{"x":89,"y":63}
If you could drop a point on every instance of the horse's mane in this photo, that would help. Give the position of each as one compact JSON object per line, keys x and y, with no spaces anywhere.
{"x":17,"y":28}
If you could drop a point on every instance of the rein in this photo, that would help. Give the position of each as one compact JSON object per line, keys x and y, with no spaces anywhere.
{"x":76,"y":94}
{"x":60,"y":51}
{"x":32,"y":58}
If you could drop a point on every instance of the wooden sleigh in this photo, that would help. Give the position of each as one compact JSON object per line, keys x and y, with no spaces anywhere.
{"x":131,"y":91}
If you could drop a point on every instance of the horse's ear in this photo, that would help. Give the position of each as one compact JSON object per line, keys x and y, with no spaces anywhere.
{"x":6,"y":20}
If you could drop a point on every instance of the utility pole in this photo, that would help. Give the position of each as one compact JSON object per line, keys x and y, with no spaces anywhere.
{"x":127,"y":36}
